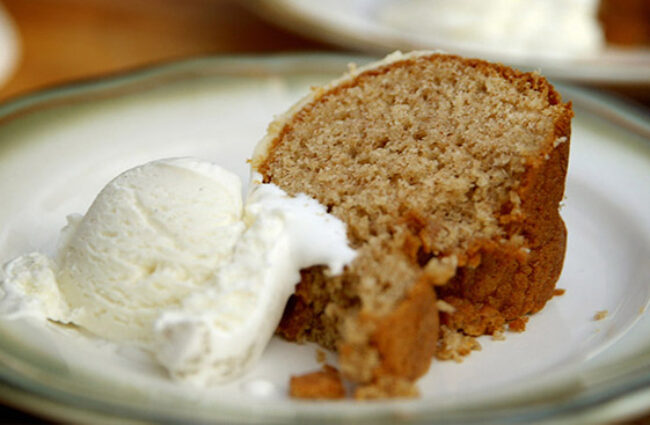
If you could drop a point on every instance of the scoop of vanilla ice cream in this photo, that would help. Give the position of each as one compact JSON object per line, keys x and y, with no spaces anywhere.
{"x":168,"y":257}
{"x":153,"y":235}
{"x":217,"y":334}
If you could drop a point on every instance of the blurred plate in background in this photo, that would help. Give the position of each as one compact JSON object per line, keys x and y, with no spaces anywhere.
{"x":374,"y":27}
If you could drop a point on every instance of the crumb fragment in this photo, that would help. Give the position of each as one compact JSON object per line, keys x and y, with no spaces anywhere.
{"x":440,"y":270}
{"x":325,"y":384}
{"x":453,"y":345}
{"x":600,"y":315}
{"x":387,"y":387}
{"x":445,"y":307}
{"x":498,"y":335}
{"x":558,"y":292}
{"x":321,"y":356}
{"x":518,"y":325}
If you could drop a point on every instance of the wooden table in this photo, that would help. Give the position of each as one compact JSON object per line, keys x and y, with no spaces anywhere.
{"x":67,"y":40}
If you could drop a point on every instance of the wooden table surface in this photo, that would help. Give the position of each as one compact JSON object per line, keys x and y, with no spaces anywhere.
{"x":67,"y":40}
{"x":64,"y":40}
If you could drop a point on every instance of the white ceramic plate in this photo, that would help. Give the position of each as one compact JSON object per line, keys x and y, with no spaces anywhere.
{"x":58,"y":148}
{"x":357,"y":24}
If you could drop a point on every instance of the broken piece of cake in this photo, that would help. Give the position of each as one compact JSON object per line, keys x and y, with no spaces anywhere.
{"x":448,"y":173}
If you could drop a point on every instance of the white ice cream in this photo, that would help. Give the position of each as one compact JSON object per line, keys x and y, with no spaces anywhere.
{"x":168,"y":257}
{"x":153,"y":235}
{"x":30,"y":289}
{"x":562,"y":28}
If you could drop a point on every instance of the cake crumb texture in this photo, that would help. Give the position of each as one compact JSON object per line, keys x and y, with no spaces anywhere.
{"x":448,"y":173}
{"x":518,"y":325}
{"x":453,"y":345}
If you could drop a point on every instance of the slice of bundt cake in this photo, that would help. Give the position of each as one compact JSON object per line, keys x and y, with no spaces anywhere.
{"x":448,"y":173}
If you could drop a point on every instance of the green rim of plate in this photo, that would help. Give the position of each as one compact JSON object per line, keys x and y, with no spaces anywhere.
{"x":26,"y":385}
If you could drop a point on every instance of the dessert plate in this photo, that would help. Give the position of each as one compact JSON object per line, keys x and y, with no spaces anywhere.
{"x":59,"y":147}
{"x":360,"y":24}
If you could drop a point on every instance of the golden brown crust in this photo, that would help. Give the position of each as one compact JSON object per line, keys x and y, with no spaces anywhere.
{"x":405,"y":340}
{"x":558,"y":292}
{"x":506,"y":284}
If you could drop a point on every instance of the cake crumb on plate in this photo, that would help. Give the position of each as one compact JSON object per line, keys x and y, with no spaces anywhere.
{"x":600,"y":315}
{"x":325,"y":384}
{"x":453,"y":345}
{"x":498,"y":336}
{"x":321,"y":356}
